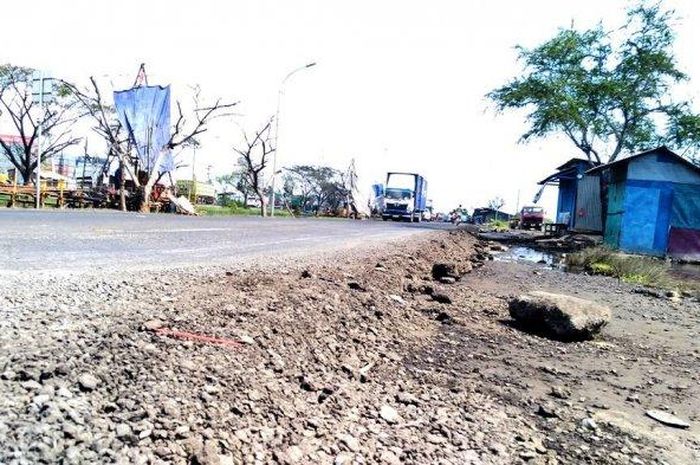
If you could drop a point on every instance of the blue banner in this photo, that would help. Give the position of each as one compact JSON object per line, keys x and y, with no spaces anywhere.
{"x":145,"y":113}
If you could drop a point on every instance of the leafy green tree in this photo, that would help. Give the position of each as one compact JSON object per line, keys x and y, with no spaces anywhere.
{"x":607,"y":91}
{"x":319,"y":187}
{"x":238,"y":181}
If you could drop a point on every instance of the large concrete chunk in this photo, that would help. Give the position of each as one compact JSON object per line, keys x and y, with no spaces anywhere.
{"x":559,"y":316}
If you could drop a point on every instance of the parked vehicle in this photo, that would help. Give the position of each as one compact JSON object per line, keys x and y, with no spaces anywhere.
{"x":531,"y":217}
{"x":405,"y":197}
{"x":197,"y":192}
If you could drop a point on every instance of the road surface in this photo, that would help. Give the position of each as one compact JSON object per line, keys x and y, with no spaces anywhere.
{"x":83,"y":240}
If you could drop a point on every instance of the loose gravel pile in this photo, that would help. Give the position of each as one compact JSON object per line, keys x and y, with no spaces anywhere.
{"x":366,"y":358}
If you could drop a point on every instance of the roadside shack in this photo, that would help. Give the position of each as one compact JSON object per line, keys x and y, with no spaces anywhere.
{"x":653,"y":204}
{"x":579,"y":202}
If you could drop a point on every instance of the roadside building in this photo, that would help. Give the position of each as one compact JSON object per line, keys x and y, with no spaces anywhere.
{"x":579,"y":202}
{"x":653,"y":204}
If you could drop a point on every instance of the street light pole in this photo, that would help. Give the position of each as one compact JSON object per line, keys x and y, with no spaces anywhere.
{"x":277,"y":132}
{"x":38,"y":139}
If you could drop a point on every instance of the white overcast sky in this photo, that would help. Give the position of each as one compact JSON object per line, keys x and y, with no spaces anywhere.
{"x":399,"y":84}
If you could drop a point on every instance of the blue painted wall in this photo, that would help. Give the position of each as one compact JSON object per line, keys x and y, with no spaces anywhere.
{"x":651,"y":207}
{"x":567,"y":200}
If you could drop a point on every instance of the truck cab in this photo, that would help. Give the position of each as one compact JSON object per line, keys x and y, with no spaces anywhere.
{"x":404,"y":197}
{"x":531,"y":217}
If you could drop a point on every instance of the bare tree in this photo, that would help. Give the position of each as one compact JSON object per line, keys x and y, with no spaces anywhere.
{"x":254,"y":156}
{"x":26,"y":117}
{"x":184,"y":133}
{"x":496,"y":203}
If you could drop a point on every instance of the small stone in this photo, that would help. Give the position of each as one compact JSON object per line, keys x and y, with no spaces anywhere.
{"x":350,"y":442}
{"x":153,"y":325}
{"x":441,"y":270}
{"x":589,"y":423}
{"x":88,"y":382}
{"x":497,"y":449}
{"x":448,"y":280}
{"x":389,"y":458}
{"x":441,"y":298}
{"x":355,"y":286}
{"x":673,"y":295}
{"x":41,"y":399}
{"x":389,"y":414}
{"x":406,"y":398}
{"x":31,"y":385}
{"x":162,"y":451}
{"x":242,"y":435}
{"x":560,"y":392}
{"x":548,"y":411}
{"x":342,"y":459}
{"x":69,"y":430}
{"x":667,"y":419}
{"x":295,"y":454}
{"x":245,"y":339}
{"x":123,"y":430}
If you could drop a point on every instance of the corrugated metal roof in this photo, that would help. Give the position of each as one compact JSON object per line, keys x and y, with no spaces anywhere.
{"x":663,"y":149}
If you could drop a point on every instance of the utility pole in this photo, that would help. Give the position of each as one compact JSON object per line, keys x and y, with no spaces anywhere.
{"x":277,"y":132}
{"x":193,"y":189}
{"x":40,"y":122}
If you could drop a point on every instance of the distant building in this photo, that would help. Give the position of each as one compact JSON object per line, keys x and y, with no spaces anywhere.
{"x":653,"y":204}
{"x":579,"y":202}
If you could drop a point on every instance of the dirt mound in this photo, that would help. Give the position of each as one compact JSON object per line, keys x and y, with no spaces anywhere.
{"x":363,"y":359}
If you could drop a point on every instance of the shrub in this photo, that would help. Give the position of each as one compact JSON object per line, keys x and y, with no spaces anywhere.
{"x":602,"y":268}
{"x":498,"y":225}
{"x":646,"y":271}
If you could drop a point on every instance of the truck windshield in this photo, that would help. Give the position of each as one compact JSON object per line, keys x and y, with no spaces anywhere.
{"x":397,"y":194}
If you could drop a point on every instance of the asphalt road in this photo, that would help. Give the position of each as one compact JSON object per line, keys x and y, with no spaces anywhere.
{"x":92,"y":240}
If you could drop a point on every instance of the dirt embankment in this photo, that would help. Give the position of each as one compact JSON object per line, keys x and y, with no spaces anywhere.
{"x":365,"y":360}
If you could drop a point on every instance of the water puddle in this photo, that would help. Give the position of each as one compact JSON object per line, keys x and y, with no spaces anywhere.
{"x":683,"y":271}
{"x":528,"y":254}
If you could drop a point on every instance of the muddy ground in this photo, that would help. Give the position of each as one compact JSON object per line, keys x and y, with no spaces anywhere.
{"x":357,"y":358}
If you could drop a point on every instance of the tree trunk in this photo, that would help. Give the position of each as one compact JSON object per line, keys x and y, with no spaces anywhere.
{"x":145,"y":203}
{"x":122,"y":183}
{"x":26,"y":176}
{"x":263,"y":210}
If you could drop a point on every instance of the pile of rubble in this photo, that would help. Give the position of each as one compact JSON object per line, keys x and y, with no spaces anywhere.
{"x":348,"y":361}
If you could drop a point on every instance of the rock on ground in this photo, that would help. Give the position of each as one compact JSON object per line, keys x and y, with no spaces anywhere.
{"x":559,"y":316}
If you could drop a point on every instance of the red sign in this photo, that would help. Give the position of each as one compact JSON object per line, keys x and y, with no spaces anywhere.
{"x":11,"y":139}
